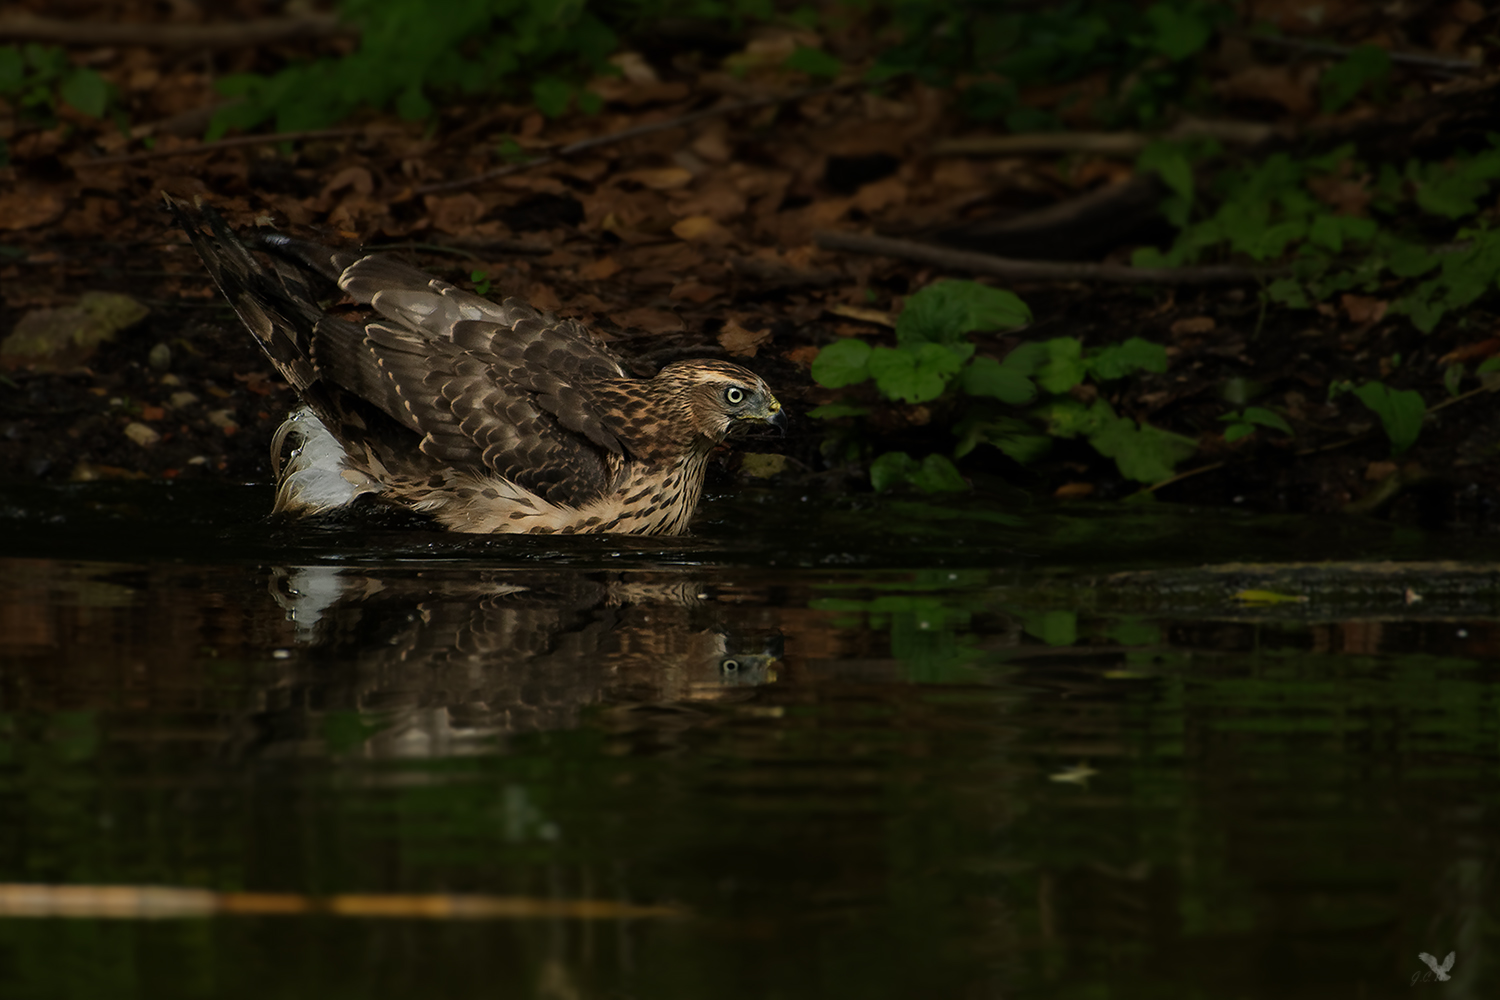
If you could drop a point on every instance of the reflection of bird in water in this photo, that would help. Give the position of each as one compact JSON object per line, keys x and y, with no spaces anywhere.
{"x":487,"y":417}
{"x":437,"y":659}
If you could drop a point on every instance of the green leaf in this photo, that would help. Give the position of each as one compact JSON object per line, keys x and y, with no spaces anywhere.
{"x":1124,"y":359}
{"x":987,"y":377}
{"x":552,"y":96}
{"x":1144,"y":453}
{"x":1064,"y":367}
{"x":1488,"y":365}
{"x":814,"y":62}
{"x":830,"y":411}
{"x":1234,"y":432}
{"x":1267,"y":418}
{"x":589,"y":102}
{"x":938,"y":475}
{"x":919,"y":374}
{"x":1066,"y":417}
{"x":1453,"y":377}
{"x":1343,"y":80}
{"x":844,"y":362}
{"x":1055,"y":628}
{"x":934,"y":474}
{"x":1288,"y":292}
{"x":1170,"y":162}
{"x":1015,"y":438}
{"x":1408,"y":260}
{"x":946,"y":310}
{"x":413,"y":105}
{"x":12,"y":69}
{"x":1400,"y":411}
{"x":1027,"y":359}
{"x":85,"y":90}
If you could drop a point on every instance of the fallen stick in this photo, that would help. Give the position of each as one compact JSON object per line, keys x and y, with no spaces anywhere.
{"x":223,"y":35}
{"x":1100,"y":143}
{"x":1040,"y":270}
{"x":84,"y":163}
{"x":158,"y":902}
{"x":1454,"y":65}
{"x":639,"y":130}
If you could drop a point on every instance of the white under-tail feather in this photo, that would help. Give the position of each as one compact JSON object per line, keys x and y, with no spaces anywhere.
{"x":316,"y":477}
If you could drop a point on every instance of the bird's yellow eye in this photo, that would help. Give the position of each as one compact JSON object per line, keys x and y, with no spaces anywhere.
{"x":734,"y":395}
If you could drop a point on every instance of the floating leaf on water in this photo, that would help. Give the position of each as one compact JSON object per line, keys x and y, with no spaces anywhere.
{"x":1268,"y":597}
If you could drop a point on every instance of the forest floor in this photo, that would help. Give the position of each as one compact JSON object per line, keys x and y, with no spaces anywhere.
{"x":700,"y":237}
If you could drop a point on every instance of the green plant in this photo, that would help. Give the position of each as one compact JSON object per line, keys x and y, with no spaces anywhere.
{"x":1271,"y":211}
{"x":1242,"y":423}
{"x":932,"y":359}
{"x":409,"y":54}
{"x":36,"y":78}
{"x":1401,"y":411}
{"x":1367,"y":65}
{"x":998,"y":49}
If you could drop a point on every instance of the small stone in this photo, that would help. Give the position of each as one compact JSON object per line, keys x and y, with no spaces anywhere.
{"x":181,"y":400}
{"x":224,"y":420}
{"x":61,"y":338}
{"x":762,"y":466}
{"x":141,"y":434}
{"x":160,"y":357}
{"x":198,"y":460}
{"x":170,"y":380}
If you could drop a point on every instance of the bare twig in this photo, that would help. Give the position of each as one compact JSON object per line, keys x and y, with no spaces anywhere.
{"x":84,"y":163}
{"x":1189,"y":474}
{"x":227,"y":35}
{"x":1459,"y":399}
{"x":1101,"y":143}
{"x":1040,"y":270}
{"x":1442,"y":64}
{"x":594,"y":142}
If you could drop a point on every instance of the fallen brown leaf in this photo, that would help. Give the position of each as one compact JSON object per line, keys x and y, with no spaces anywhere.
{"x":25,"y":208}
{"x":600,"y":269}
{"x":1292,"y":88}
{"x":659,"y":178}
{"x":695,"y":291}
{"x":1073,"y":491}
{"x":456,"y":214}
{"x":701,"y":229}
{"x":1363,"y":308}
{"x":1468,"y":352}
{"x":651,"y":320}
{"x":803,"y":356}
{"x":740,"y":342}
{"x":879,"y":317}
{"x":880,"y":194}
{"x":1192,"y":325}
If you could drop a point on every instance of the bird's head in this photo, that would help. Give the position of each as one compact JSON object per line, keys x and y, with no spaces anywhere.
{"x":721,"y":397}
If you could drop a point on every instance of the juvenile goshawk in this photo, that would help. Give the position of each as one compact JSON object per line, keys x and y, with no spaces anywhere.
{"x":487,"y":417}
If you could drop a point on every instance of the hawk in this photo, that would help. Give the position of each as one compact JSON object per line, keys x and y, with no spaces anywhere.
{"x":486,"y":417}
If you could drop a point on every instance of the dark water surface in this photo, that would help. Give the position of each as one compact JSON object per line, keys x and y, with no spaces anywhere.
{"x":878,"y":749}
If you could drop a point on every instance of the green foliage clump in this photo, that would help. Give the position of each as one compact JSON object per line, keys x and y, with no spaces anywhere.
{"x":932,"y":359}
{"x":1269,"y":211}
{"x":1147,"y":51}
{"x":35,"y":79}
{"x":1243,"y":423}
{"x":410,"y":52}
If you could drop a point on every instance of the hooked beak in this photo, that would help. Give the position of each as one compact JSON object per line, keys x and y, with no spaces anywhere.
{"x":775,"y":416}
